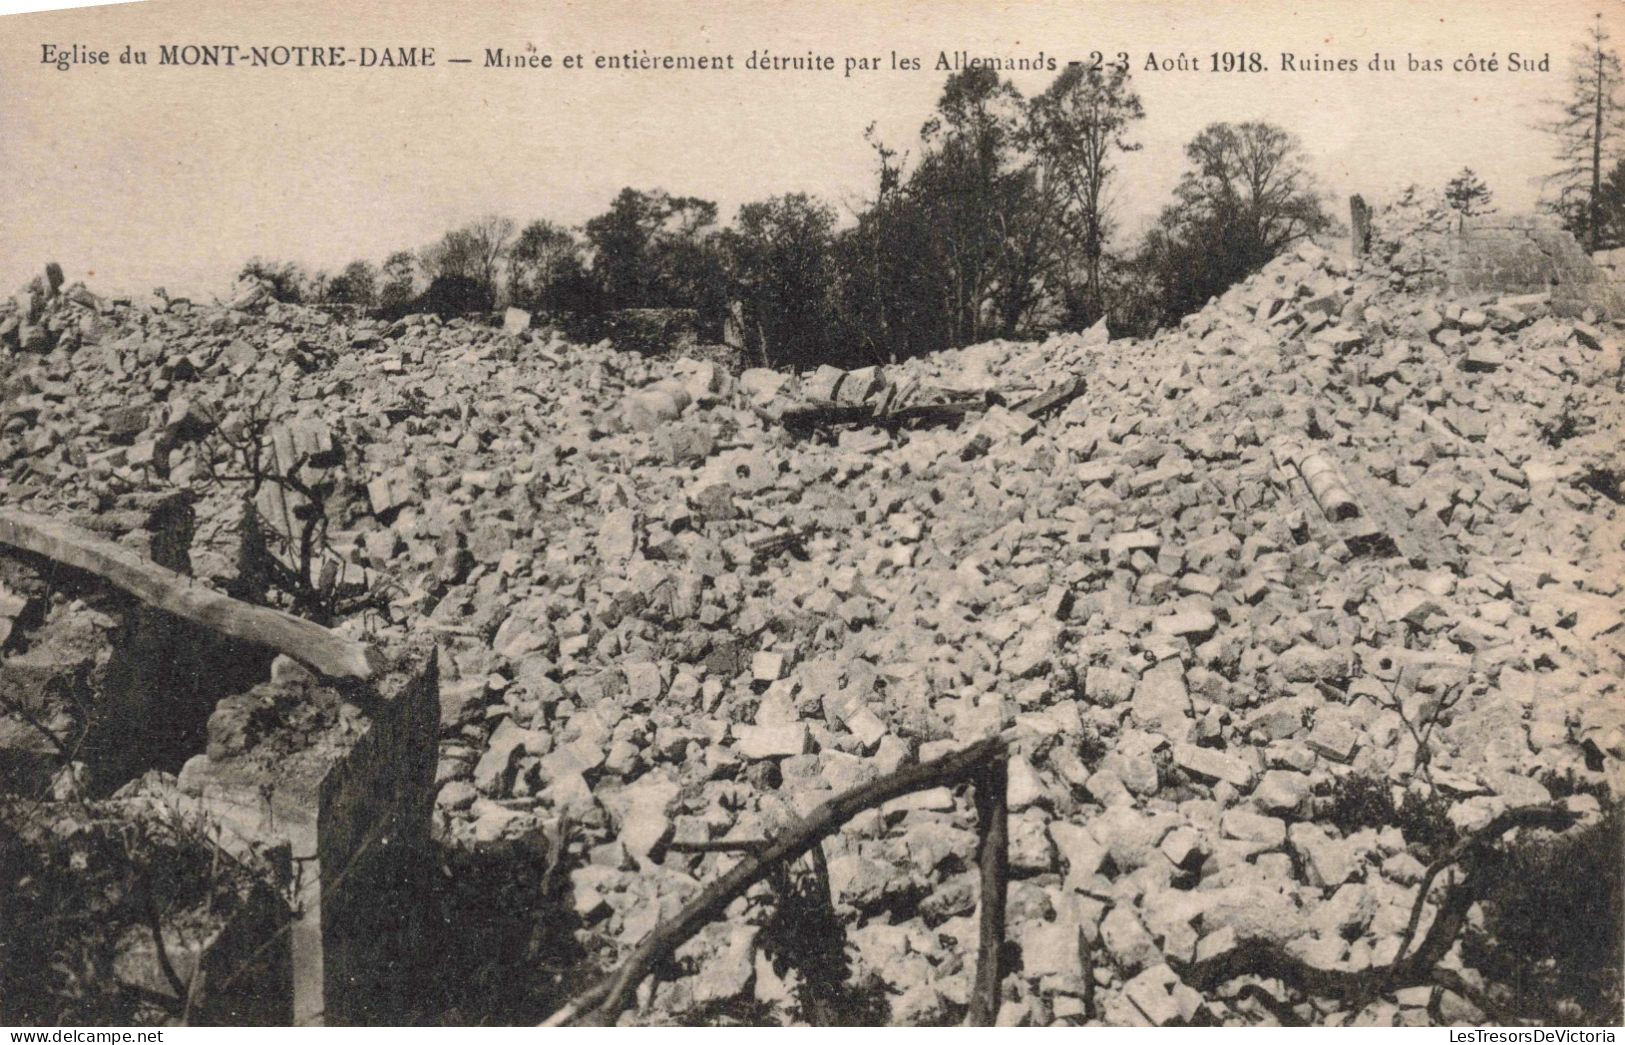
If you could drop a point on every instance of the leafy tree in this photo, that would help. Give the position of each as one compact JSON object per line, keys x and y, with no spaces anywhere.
{"x":473,"y":252}
{"x":654,"y":250}
{"x":888,"y":300}
{"x":1588,"y":132}
{"x":622,"y":239}
{"x":356,"y":285}
{"x":780,"y":260}
{"x":1245,"y":198}
{"x":1467,"y":193}
{"x":285,"y":279}
{"x":975,"y":186}
{"x":397,"y":278}
{"x":454,"y":294}
{"x":960,"y":248}
{"x":1077,"y":126}
{"x":545,"y":269}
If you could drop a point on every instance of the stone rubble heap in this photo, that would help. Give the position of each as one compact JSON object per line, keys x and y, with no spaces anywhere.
{"x":1257,"y":557}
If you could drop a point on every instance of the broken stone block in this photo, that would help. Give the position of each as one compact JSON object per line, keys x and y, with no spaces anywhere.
{"x":1030,"y":849}
{"x":823,"y":383}
{"x":1216,"y":944}
{"x":1193,"y":624}
{"x":1334,"y":740}
{"x":867,"y":727}
{"x":491,"y":772}
{"x":1127,"y":941}
{"x":761,"y":742}
{"x":1183,"y":847}
{"x":726,"y":972}
{"x":767,"y":666}
{"x":859,"y":386}
{"x":857,"y":881}
{"x":1216,"y":765}
{"x":1151,"y":993}
{"x":1328,"y":861}
{"x":1121,"y":545}
{"x":1162,"y":703}
{"x":515,"y":321}
{"x":1049,"y":949}
{"x":1024,"y":788}
{"x":1306,"y":663}
{"x":1037,"y":646}
{"x":390,"y":491}
{"x":1107,"y":686}
{"x":642,"y":682}
{"x":1001,"y":423}
{"x":1079,"y":849}
{"x":647,"y":410}
{"x":1247,"y":826}
{"x":1281,"y":791}
{"x":762,"y":385}
{"x":1481,"y":357}
{"x":617,"y":537}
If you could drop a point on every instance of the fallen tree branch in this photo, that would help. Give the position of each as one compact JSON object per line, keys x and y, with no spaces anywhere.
{"x":602,"y":1003}
{"x":1554,"y":817}
{"x":717,"y":845}
{"x":310,"y":643}
{"x":952,"y":411}
{"x":1267,"y":959}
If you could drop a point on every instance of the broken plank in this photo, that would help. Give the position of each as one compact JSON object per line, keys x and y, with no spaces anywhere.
{"x":815,"y":414}
{"x":162,"y":589}
{"x":1055,"y":399}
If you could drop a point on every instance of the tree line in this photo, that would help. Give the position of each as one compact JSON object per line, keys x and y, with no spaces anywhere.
{"x":1000,"y":221}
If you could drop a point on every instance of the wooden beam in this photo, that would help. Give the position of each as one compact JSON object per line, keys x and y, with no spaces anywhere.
{"x":162,"y":589}
{"x":1052,"y":400}
{"x":993,"y":862}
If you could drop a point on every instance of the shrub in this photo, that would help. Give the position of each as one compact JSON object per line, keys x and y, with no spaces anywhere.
{"x":1550,"y":940}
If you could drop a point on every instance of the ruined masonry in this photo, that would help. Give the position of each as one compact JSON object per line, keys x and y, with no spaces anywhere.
{"x":1357,"y":522}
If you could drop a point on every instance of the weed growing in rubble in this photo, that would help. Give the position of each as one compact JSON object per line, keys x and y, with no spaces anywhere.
{"x":290,"y":556}
{"x":1361,"y":801}
{"x":1358,"y":802}
{"x":502,"y":935}
{"x":1569,"y":783}
{"x":805,"y":934}
{"x":88,"y":888}
{"x":1550,"y":941}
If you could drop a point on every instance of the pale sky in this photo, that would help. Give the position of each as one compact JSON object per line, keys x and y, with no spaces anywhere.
{"x":134,"y":177}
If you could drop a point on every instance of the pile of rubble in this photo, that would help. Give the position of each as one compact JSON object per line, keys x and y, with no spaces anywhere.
{"x":1338,"y":525}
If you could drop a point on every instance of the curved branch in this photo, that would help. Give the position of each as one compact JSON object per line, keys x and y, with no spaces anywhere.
{"x":1268,"y":959}
{"x":603,"y":1002}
